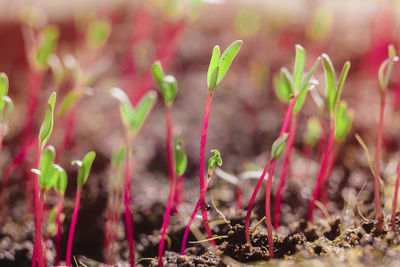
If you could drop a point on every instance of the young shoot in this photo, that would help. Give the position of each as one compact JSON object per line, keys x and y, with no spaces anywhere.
{"x":133,"y":119}
{"x":180,"y":168}
{"x":333,"y":92}
{"x":168,"y":87}
{"x":212,"y":162}
{"x":217,"y":70}
{"x":84,"y":170}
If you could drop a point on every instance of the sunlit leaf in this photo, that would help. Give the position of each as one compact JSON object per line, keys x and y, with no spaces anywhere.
{"x":284,"y":90}
{"x":227,"y":58}
{"x":142,"y":110}
{"x":330,"y":83}
{"x":180,"y":156}
{"x":158,"y":73}
{"x":48,"y":122}
{"x":214,"y":63}
{"x":278,"y":146}
{"x":213,"y":80}
{"x":46,"y":167}
{"x":84,"y":167}
{"x":298,"y":68}
{"x":61,"y":179}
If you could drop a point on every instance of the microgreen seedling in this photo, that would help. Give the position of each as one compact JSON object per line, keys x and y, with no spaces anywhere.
{"x":168,"y":87}
{"x":180,"y":167}
{"x":83,"y":174}
{"x":212,"y":162}
{"x":333,"y":92}
{"x":133,"y":119}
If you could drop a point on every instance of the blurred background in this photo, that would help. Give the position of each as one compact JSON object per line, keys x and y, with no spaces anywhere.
{"x":246,"y":114}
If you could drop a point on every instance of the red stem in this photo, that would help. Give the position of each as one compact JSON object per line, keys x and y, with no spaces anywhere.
{"x":171,"y":172}
{"x":59,"y":230}
{"x":238,"y":197}
{"x":201,"y":165}
{"x":251,"y":203}
{"x":324,"y":194}
{"x":268,"y":210}
{"x":37,"y":246}
{"x":187,"y":229}
{"x":322,"y":171}
{"x":284,"y":127}
{"x":72,"y":228}
{"x":128,"y":214}
{"x":377,"y":193}
{"x":286,"y":162}
{"x":394,"y":204}
{"x":178,"y":192}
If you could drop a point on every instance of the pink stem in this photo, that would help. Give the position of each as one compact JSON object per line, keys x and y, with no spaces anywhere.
{"x":322,"y":171}
{"x":268,"y":210}
{"x":178,"y":192}
{"x":72,"y":228}
{"x":128,"y":214}
{"x":324,"y":194}
{"x":284,"y":127}
{"x":59,"y":230}
{"x":288,"y":152}
{"x":187,"y":229}
{"x":394,"y":204}
{"x":377,"y":193}
{"x":238,"y":197}
{"x":201,"y":165}
{"x":171,"y":172}
{"x":251,"y":203}
{"x":37,"y":246}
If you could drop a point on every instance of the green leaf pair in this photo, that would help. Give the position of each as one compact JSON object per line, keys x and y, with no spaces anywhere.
{"x":50,"y":174}
{"x":278,"y":145}
{"x":215,"y":159}
{"x":290,"y":86}
{"x":47,"y":46}
{"x":313,"y":132}
{"x":5,"y":101}
{"x":180,"y":156}
{"x":333,"y":88}
{"x":219,"y":65}
{"x":133,"y":119}
{"x":344,"y":119}
{"x":167,"y":83}
{"x":84,"y":167}
{"x":385,"y":70}
{"x":48,"y":123}
{"x":98,"y":33}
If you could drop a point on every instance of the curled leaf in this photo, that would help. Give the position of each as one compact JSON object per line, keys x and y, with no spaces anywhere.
{"x":47,"y":125}
{"x":278,"y":146}
{"x":214,"y":160}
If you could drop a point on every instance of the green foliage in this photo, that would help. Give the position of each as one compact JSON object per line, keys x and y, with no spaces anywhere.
{"x":333,"y":89}
{"x":298,"y":68}
{"x":47,"y":126}
{"x":70,"y":99}
{"x":215,"y":159}
{"x":278,"y":146}
{"x":219,"y":65}
{"x":3,"y":90}
{"x":313,"y":132}
{"x":167,"y":83}
{"x":5,"y":101}
{"x":385,"y":70}
{"x":180,"y":156}
{"x":61,"y":180}
{"x":284,"y":89}
{"x":133,"y":119}
{"x":98,"y":33}
{"x":46,"y":167}
{"x":118,"y":157}
{"x":47,"y":46}
{"x":84,"y":167}
{"x":344,"y":119}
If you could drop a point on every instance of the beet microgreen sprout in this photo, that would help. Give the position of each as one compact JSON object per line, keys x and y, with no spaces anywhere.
{"x":44,"y":135}
{"x":133,"y":119}
{"x":333,"y":93}
{"x":294,"y":91}
{"x":6,"y":106}
{"x":168,"y":87}
{"x":217,"y":70}
{"x":384,"y":73}
{"x":212,"y":162}
{"x":83,"y":174}
{"x":180,"y":168}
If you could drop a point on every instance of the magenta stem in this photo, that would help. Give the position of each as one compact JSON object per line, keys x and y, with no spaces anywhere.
{"x":59,"y":230}
{"x":171,"y":172}
{"x":187,"y":229}
{"x":72,"y":228}
{"x":285,"y":166}
{"x":284,"y":127}
{"x":377,"y":193}
{"x":128,"y":214}
{"x":322,"y":171}
{"x":251,"y":203}
{"x":324,"y":193}
{"x":394,"y":204}
{"x":268,"y":210}
{"x":37,"y":246}
{"x":178,"y":192}
{"x":201,"y":166}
